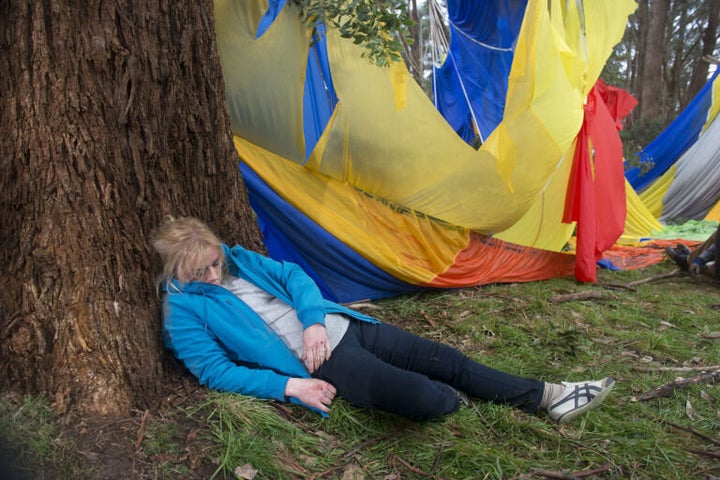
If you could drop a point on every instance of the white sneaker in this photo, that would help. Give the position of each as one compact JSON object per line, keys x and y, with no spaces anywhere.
{"x":578,"y":398}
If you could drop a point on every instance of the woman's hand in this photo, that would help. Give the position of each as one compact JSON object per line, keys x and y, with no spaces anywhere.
{"x":312,"y":392}
{"x":316,"y":346}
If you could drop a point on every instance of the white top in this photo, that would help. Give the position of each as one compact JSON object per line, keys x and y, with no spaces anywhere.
{"x":281,"y":317}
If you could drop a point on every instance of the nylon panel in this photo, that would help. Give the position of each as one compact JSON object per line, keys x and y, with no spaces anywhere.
{"x":672,"y":142}
{"x":696,"y":185}
{"x":408,"y":246}
{"x":414,"y":249}
{"x":714,"y":213}
{"x":264,"y":77}
{"x":542,"y":226}
{"x":413,"y":158}
{"x":640,"y":222}
{"x":388,"y":177}
{"x":652,"y":196}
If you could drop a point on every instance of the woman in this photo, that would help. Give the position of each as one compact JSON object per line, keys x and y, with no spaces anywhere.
{"x":244,"y":323}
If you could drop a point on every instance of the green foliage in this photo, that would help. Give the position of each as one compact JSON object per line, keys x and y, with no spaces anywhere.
{"x":637,"y":136}
{"x":378,"y":25}
{"x":32,"y":442}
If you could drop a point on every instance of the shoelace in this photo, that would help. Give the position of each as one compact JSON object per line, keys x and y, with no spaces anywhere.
{"x":585,"y":390}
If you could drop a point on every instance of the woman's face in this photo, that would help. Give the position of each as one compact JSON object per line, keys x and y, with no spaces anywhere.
{"x":208,"y":269}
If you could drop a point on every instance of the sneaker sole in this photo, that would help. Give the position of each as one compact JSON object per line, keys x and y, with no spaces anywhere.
{"x":588,"y":406}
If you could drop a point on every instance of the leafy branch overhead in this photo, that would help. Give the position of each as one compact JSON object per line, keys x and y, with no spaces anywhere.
{"x":380,"y":26}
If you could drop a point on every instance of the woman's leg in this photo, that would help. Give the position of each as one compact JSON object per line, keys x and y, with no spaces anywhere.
{"x":365,"y":380}
{"x":448,"y":365}
{"x":384,"y":367}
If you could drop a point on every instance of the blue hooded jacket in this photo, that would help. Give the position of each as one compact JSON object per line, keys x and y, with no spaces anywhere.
{"x":225,"y":344}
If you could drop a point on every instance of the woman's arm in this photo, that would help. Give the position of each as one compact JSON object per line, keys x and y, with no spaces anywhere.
{"x":286,"y":281}
{"x":194,"y":344}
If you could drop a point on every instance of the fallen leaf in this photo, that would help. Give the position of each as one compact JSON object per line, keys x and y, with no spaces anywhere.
{"x":689,"y":410}
{"x":246,"y":472}
{"x":352,"y":472}
{"x":192,"y":435}
{"x":664,"y":325}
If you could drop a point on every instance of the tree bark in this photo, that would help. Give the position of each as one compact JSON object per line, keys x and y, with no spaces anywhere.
{"x":113,"y":115}
{"x":709,"y":41}
{"x":651,"y":79}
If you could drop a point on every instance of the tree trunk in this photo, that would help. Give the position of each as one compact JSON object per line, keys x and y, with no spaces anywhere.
{"x":414,"y":52}
{"x":651,"y":79}
{"x":709,"y":40}
{"x":113,"y":115}
{"x":638,"y":44}
{"x":674,"y":73}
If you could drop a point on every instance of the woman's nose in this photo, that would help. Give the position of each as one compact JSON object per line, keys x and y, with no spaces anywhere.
{"x":213,"y":275}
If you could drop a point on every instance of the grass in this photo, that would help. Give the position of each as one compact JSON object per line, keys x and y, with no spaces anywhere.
{"x":645,"y":336}
{"x":32,"y":435}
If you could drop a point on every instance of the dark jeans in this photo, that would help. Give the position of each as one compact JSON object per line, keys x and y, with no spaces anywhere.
{"x":383,"y":367}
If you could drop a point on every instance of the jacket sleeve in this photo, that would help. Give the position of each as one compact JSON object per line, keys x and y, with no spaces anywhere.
{"x":286,"y":280}
{"x":187,"y":336}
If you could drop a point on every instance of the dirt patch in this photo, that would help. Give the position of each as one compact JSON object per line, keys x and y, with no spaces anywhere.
{"x":164,"y":443}
{"x":151,"y":444}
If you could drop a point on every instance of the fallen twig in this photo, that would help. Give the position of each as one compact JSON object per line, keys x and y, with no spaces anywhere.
{"x":693,"y":431}
{"x":617,"y":286}
{"x":142,"y":429}
{"x":551,"y":474}
{"x":667,"y":389}
{"x":705,"y":453}
{"x":587,"y":295}
{"x":428,"y":319}
{"x":405,"y":464}
{"x":660,"y":276}
{"x":698,"y":368}
{"x":574,"y":475}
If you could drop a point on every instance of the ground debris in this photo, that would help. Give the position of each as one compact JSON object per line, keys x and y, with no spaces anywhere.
{"x":668,"y":388}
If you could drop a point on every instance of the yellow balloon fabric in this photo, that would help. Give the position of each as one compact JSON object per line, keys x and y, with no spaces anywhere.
{"x":389,"y":177}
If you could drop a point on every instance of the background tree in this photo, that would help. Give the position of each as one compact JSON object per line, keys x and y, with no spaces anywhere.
{"x":651,"y":72}
{"x":663,"y":60}
{"x":113,"y":115}
{"x":709,"y":44}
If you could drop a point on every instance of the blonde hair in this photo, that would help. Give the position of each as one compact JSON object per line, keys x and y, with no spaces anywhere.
{"x":180,"y":243}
